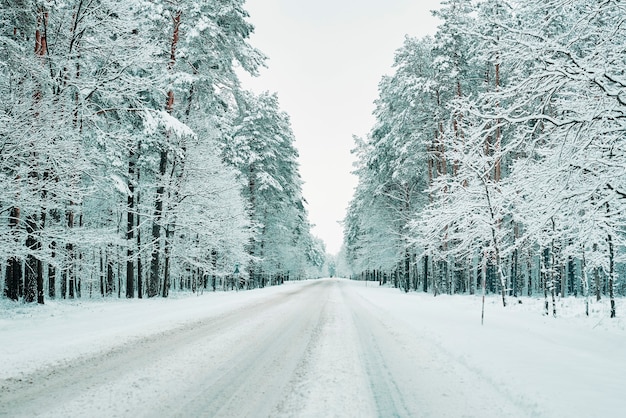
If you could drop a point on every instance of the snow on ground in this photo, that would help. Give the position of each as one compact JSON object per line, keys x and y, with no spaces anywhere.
{"x":356,"y":349}
{"x":34,"y":336}
{"x":569,"y":366}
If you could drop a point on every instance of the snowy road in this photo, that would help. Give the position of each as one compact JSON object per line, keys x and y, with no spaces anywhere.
{"x":317,"y":349}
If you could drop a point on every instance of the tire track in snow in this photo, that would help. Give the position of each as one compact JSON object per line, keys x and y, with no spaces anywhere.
{"x":146,"y":372}
{"x":259,"y":378}
{"x":388,"y":396}
{"x":422,"y":377}
{"x":330,"y":380}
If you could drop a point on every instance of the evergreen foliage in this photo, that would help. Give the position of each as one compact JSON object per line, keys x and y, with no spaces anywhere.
{"x":508,"y":130}
{"x":117,"y":178}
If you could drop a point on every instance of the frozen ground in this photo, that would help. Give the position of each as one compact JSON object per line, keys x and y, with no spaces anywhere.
{"x":314,"y":349}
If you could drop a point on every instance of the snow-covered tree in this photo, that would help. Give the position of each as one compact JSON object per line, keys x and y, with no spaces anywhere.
{"x":112,"y":133}
{"x":262,"y":149}
{"x":515,"y":113}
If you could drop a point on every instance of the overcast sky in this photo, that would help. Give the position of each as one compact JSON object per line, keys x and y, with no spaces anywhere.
{"x":326,"y":58}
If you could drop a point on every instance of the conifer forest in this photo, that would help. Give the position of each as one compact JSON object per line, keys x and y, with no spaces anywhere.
{"x":165,"y":248}
{"x":133,"y":162}
{"x":498,"y":157}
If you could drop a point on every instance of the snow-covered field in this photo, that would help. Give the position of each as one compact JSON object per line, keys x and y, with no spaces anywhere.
{"x":315,"y":348}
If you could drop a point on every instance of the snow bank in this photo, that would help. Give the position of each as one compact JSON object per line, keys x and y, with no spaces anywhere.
{"x":569,"y":366}
{"x":34,"y":336}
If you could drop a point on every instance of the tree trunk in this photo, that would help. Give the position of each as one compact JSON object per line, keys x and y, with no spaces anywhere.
{"x":52,"y":272}
{"x":102,"y":292}
{"x":252,"y":211}
{"x":425,"y":288}
{"x":33,"y":278}
{"x":110,"y":277}
{"x":515,"y":262}
{"x":407,"y":266}
{"x":483,"y":271}
{"x":496,"y":225}
{"x":596,"y":276}
{"x":514,"y":266}
{"x":544,"y":278}
{"x":139,"y":259}
{"x":130,"y":228}
{"x":153,"y":283}
{"x":611,"y":275}
{"x":552,"y":271}
{"x":571,"y":279}
{"x":497,"y":171}
{"x":169,"y":234}
{"x":585,"y":283}
{"x":13,"y":276}
{"x":529,"y":274}
{"x":69,"y":248}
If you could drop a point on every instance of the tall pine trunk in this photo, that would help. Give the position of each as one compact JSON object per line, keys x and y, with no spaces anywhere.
{"x":611,"y":275}
{"x":169,"y":235}
{"x":69,"y":273}
{"x":130,"y":228}
{"x":52,"y":272}
{"x":139,"y":258}
{"x":33,"y":274}
{"x":425,"y":284}
{"x":13,"y":276}
{"x":252,"y":210}
{"x":585,"y":282}
{"x":173,"y":199}
{"x":545,"y":261}
{"x":153,"y":282}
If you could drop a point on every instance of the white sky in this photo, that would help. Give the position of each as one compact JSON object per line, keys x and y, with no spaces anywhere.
{"x":326,"y":58}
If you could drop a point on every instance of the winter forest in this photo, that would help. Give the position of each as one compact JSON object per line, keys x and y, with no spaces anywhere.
{"x":133,"y":163}
{"x":158,"y":228}
{"x":498,"y":158}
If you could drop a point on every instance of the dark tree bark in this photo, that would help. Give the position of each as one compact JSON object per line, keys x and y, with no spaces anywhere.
{"x":31,"y":268}
{"x":69,"y":248}
{"x":611,"y":275}
{"x":33,"y":275}
{"x":425,"y":288}
{"x":102,"y":293}
{"x":153,"y":283}
{"x":110,"y":277}
{"x":571,"y":279}
{"x":597,"y":282}
{"x":252,"y":274}
{"x":529,"y":273}
{"x":544,"y":277}
{"x":407,"y":273}
{"x":52,"y":272}
{"x":13,"y":276}
{"x":130,"y":228}
{"x":139,"y":259}
{"x":169,"y":235}
{"x":585,"y":282}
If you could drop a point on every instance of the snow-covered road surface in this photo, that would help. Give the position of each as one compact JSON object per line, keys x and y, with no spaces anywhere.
{"x":312,"y":349}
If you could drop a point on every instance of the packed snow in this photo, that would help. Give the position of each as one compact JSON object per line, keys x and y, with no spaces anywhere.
{"x":313,"y":348}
